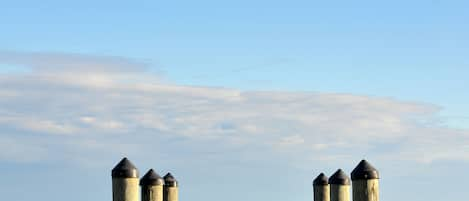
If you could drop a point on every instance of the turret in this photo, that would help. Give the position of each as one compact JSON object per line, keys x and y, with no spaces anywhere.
{"x":152,"y":186}
{"x":170,"y":190}
{"x":125,"y":181}
{"x":321,"y":188}
{"x":365,"y":182}
{"x":340,"y":186}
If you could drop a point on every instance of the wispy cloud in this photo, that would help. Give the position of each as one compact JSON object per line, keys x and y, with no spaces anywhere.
{"x":51,"y":63}
{"x":85,"y":105}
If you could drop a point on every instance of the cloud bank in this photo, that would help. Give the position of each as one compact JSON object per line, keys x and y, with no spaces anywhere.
{"x":83,"y":109}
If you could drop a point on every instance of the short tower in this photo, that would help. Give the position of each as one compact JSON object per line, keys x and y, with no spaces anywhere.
{"x":321,"y":188}
{"x":152,"y":186}
{"x":170,"y":189}
{"x":340,"y":186}
{"x":125,"y":181}
{"x":365,"y":182}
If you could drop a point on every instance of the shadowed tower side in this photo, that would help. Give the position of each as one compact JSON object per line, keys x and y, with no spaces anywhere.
{"x":340,"y":186}
{"x":152,"y":186}
{"x":170,"y":189}
{"x":365,"y":182}
{"x":321,"y":188}
{"x":125,"y":181}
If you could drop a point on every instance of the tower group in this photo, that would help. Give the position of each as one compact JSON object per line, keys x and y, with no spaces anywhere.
{"x":126,"y":181}
{"x":127,"y":186}
{"x":365,"y":185}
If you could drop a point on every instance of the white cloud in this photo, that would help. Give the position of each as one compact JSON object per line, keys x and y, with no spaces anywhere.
{"x":293,"y":140}
{"x":59,"y":63}
{"x":112,"y":111}
{"x":39,"y":125}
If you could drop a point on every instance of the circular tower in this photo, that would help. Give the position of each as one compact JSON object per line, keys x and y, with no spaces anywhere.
{"x":365,"y":182}
{"x":321,"y":188}
{"x":170,"y":189}
{"x":152,"y":186}
{"x":125,"y":181}
{"x":340,"y":186}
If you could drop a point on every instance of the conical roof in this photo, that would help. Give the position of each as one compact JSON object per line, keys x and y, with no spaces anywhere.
{"x":320,"y":180}
{"x":340,"y":178}
{"x":125,"y":169}
{"x":364,"y":170}
{"x":151,"y":178}
{"x":169,"y":180}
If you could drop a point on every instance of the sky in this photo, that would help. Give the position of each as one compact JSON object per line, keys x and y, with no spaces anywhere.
{"x":239,"y":100}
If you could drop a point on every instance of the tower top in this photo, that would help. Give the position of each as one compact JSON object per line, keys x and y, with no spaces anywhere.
{"x":340,"y":178}
{"x":320,"y":180}
{"x":151,"y":178}
{"x":364,"y":170}
{"x":170,"y":181}
{"x":125,"y":169}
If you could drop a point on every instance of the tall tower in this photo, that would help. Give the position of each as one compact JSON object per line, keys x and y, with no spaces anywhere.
{"x":321,"y":188}
{"x":125,"y":181}
{"x":340,"y":186}
{"x":365,"y":182}
{"x":152,"y":186}
{"x":170,"y":190}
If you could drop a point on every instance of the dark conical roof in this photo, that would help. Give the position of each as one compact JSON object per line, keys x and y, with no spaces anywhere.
{"x":151,"y":178}
{"x":340,"y":178}
{"x":169,"y":180}
{"x":125,"y":169}
{"x":364,"y":170}
{"x":320,"y":180}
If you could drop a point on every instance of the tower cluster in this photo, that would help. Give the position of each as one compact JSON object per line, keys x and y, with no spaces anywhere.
{"x":365,"y":185}
{"x":126,"y":182}
{"x":127,"y":186}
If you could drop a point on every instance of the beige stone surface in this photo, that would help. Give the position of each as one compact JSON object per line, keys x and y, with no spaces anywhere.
{"x":170,"y":194}
{"x":366,"y":190}
{"x":152,"y":193}
{"x":321,"y":193}
{"x":340,"y":192}
{"x":125,"y":189}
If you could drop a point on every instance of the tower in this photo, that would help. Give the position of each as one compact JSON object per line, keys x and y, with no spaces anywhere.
{"x":365,"y":182}
{"x":321,"y":188}
{"x":125,"y":181}
{"x":152,"y":186}
{"x":340,"y":186}
{"x":170,"y":189}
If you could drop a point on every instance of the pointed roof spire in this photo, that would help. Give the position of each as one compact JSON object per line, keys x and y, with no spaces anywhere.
{"x":125,"y":169}
{"x":169,"y":180}
{"x":340,"y":178}
{"x":151,"y":178}
{"x":364,"y":170}
{"x":320,"y":180}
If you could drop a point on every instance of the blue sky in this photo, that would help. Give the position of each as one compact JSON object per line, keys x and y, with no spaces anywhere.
{"x":256,"y":95}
